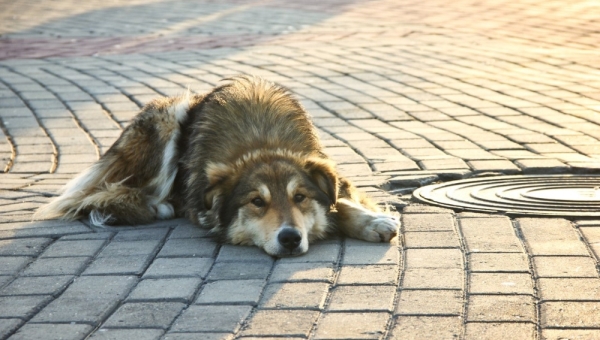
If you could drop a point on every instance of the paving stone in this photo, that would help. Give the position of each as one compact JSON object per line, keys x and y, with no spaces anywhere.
{"x":23,"y":247}
{"x":427,"y":327}
{"x":239,"y":270}
{"x":489,"y":235}
{"x":237,"y":253}
{"x":231,"y":292}
{"x":178,"y":289}
{"x":42,"y":285}
{"x":12,"y":264}
{"x":438,"y":239}
{"x":8,"y":326}
{"x":427,"y":222}
{"x":117,"y":334}
{"x":375,"y":253}
{"x":542,"y":166}
{"x":285,"y":323}
{"x":569,"y":288}
{"x":500,"y":283}
{"x":193,"y":247}
{"x":137,"y":234}
{"x":322,"y":251}
{"x":195,"y":336}
{"x":294,"y":295}
{"x":500,"y":308}
{"x":56,"y":266}
{"x":77,"y":305}
{"x":492,"y":331}
{"x":362,"y":298}
{"x":430,"y":302}
{"x":52,"y":332}
{"x":224,"y":318}
{"x":564,"y":266}
{"x":129,"y":248}
{"x":302,"y":272}
{"x":368,"y":274}
{"x":69,"y":248}
{"x":434,"y":258}
{"x":498,"y":262}
{"x":433,"y":278}
{"x":144,"y":315}
{"x":570,"y":314}
{"x":575,"y":334}
{"x":22,"y":306}
{"x":551,"y":237}
{"x":125,"y":265}
{"x":351,"y":325}
{"x":178,"y":267}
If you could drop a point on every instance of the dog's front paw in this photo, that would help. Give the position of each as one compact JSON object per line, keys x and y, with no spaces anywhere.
{"x":381,"y":228}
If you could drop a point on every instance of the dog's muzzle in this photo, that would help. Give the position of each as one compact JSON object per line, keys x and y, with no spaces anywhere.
{"x":289,"y":238}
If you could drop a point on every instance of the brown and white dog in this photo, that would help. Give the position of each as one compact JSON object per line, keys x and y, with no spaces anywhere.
{"x":243,"y":160}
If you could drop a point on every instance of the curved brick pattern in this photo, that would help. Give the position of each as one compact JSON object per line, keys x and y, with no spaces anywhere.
{"x":403,"y":93}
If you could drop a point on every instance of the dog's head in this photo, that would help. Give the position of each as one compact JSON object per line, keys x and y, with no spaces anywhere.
{"x":276,"y":203}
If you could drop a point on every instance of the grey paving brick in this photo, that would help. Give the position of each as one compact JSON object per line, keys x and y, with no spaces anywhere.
{"x":22,"y":306}
{"x":302,"y":272}
{"x":245,"y":292}
{"x":365,"y":253}
{"x":194,"y":336}
{"x":69,"y":248}
{"x":318,"y":252}
{"x":237,"y":253}
{"x":42,"y":285}
{"x":76,"y":304}
{"x":225,"y":318}
{"x":438,"y":239}
{"x":551,"y":237}
{"x":564,"y":266}
{"x":281,"y":323}
{"x":12,"y":264}
{"x":130,"y":248}
{"x":147,"y":234}
{"x":569,"y":314}
{"x":8,"y":326}
{"x":368,"y":274}
{"x":52,"y":331}
{"x":193,"y":247}
{"x":434,"y":258}
{"x":123,"y":265}
{"x":427,"y":222}
{"x":433,"y":278}
{"x":239,"y":270}
{"x":351,"y":325}
{"x":118,"y":334}
{"x":542,"y":166}
{"x":569,"y":288}
{"x":427,"y":327}
{"x":430,"y":302}
{"x":498,"y":262}
{"x":56,"y":266}
{"x":489,"y":235}
{"x":179,"y":289}
{"x":178,"y":267}
{"x":501,"y":308}
{"x":500,"y":283}
{"x":492,"y":330}
{"x":362,"y":298}
{"x":23,"y":247}
{"x":294,"y":295}
{"x":144,"y":315}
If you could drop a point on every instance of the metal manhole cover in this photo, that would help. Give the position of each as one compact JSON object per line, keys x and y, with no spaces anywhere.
{"x":556,"y":195}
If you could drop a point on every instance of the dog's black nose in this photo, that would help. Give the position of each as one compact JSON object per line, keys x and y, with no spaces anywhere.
{"x":289,"y":238}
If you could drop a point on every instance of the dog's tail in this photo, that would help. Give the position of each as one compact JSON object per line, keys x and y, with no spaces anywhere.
{"x":105,"y":203}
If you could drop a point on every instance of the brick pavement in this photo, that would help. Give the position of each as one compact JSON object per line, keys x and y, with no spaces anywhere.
{"x":404,"y":93}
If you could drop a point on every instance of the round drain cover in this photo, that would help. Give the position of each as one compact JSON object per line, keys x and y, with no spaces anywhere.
{"x":556,"y":195}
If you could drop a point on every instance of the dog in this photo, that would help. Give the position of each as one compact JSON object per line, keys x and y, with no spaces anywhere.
{"x":243,"y":160}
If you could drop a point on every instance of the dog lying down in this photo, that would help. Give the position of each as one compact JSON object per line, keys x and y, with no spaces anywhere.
{"x":244,"y":161}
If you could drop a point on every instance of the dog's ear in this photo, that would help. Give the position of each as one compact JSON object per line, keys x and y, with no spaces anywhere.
{"x":323,"y":173}
{"x":217,"y":174}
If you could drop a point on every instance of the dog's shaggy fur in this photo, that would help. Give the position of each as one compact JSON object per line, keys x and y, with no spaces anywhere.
{"x":243,"y":160}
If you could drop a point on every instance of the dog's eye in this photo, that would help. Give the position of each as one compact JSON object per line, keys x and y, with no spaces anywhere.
{"x":299,"y":198}
{"x":258,"y":202}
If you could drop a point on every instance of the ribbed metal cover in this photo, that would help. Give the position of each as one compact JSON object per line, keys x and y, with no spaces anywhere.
{"x":553,"y":195}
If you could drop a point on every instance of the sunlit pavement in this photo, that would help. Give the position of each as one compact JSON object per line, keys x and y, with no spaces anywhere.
{"x":404,"y":92}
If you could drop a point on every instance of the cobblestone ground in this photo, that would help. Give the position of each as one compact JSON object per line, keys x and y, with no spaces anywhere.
{"x":404,"y":92}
